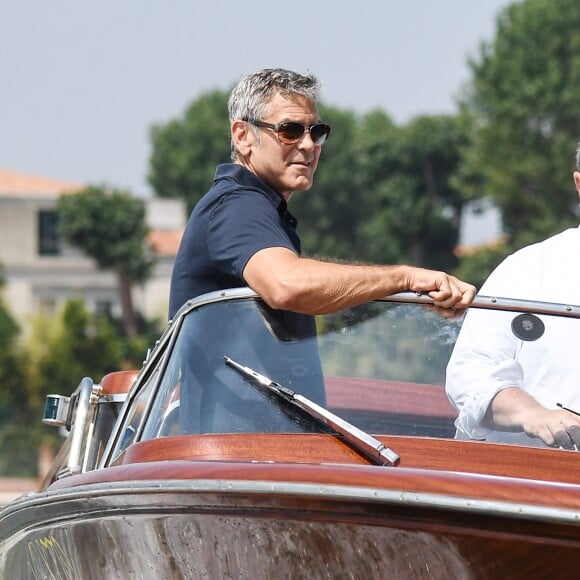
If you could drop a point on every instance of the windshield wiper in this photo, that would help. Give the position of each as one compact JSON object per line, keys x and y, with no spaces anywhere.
{"x":364,"y":443}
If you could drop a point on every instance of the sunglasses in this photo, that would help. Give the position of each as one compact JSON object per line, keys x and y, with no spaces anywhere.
{"x":291,"y":132}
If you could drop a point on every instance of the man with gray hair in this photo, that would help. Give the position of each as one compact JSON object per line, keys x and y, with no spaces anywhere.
{"x":242,"y":234}
{"x":508,"y":387}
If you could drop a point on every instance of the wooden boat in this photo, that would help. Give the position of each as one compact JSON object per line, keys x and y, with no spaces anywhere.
{"x":245,"y":448}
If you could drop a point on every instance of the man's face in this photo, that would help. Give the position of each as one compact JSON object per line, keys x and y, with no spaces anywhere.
{"x":287,"y":168}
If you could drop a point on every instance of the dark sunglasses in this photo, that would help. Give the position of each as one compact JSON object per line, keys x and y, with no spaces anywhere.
{"x":291,"y":132}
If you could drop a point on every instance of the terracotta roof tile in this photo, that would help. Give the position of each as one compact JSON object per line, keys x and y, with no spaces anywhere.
{"x":13,"y":183}
{"x":165,"y":242}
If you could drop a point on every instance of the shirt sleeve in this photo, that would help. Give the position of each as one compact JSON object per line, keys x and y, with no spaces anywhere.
{"x":241,"y":224}
{"x":484,"y":359}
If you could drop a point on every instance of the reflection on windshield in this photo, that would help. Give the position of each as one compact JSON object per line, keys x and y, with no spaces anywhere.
{"x":403,"y":342}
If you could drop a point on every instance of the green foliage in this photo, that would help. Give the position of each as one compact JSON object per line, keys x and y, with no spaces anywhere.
{"x":20,"y":436}
{"x":19,"y":445}
{"x":16,"y":458}
{"x":65,"y":349}
{"x":388,"y":193}
{"x":109,"y":226}
{"x":328,"y":213}
{"x":60,"y":351}
{"x":187,"y":150}
{"x":408,"y":189}
{"x":524,"y":101}
{"x":475,"y":267}
{"x":11,"y":374}
{"x":381,"y":193}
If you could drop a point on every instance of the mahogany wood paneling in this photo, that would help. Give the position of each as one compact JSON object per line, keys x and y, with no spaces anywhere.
{"x":461,"y":468}
{"x":388,"y":396}
{"x":118,"y":382}
{"x":420,"y":452}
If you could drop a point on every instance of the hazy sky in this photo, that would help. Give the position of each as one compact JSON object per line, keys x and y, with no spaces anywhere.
{"x":81,"y":83}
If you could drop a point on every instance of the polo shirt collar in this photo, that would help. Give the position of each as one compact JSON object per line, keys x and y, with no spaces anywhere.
{"x":246,"y":178}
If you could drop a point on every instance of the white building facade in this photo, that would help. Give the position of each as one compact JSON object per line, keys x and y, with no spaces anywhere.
{"x":41,"y":273}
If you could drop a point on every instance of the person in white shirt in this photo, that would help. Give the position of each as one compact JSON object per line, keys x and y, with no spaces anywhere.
{"x":507,"y":389}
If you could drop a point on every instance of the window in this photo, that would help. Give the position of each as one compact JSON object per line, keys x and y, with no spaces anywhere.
{"x":47,"y":306}
{"x":48,"y":241}
{"x":104,"y":307}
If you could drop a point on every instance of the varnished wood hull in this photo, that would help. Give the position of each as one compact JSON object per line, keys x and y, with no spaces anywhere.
{"x":262,"y":522}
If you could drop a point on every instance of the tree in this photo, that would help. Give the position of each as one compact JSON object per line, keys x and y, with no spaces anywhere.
{"x":60,"y":350}
{"x":381,"y":193}
{"x":187,"y":150}
{"x":17,"y":457}
{"x":109,"y":226}
{"x":329,"y":214}
{"x":524,"y":104}
{"x":11,"y":365}
{"x":69,"y":346}
{"x":478,"y":263}
{"x":408,"y":189}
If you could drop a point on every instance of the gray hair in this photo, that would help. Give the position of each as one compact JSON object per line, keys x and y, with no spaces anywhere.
{"x":578,"y":156}
{"x":250,"y":97}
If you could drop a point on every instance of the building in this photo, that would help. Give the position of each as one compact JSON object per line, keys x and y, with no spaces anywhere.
{"x":42,"y":273}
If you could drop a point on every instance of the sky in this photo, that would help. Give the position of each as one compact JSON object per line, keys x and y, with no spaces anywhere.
{"x":82,"y":83}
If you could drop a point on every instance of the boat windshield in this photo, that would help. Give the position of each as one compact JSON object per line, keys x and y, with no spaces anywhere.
{"x":381,"y":366}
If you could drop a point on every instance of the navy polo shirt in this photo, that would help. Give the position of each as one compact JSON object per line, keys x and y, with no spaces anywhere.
{"x":239,"y":216}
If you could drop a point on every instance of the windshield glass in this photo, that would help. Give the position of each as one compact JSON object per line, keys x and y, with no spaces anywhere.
{"x":383,"y":366}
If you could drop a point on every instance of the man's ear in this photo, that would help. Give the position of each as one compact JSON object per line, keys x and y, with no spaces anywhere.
{"x":577,"y":181}
{"x":243,"y":137}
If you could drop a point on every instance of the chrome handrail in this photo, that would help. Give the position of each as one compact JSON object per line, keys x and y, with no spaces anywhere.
{"x":85,"y":390}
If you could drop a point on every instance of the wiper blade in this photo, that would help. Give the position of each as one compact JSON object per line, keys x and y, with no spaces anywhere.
{"x":364,"y":443}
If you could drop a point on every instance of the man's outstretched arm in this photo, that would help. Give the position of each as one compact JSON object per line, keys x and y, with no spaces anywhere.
{"x":290,"y":282}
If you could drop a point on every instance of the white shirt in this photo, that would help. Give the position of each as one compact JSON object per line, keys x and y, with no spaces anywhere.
{"x":488,"y":357}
